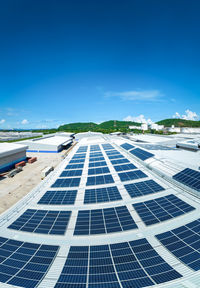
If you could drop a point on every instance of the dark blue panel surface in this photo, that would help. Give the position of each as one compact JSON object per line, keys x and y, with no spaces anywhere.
{"x":141,"y":154}
{"x":189,"y":177}
{"x":143,"y":188}
{"x":99,"y":195}
{"x":132,"y":175}
{"x":59,"y":197}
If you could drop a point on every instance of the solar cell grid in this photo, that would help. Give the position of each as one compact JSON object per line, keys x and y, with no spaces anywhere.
{"x":143,"y":188}
{"x":23,"y":265}
{"x":77,"y":156}
{"x":93,"y":155}
{"x":124,"y":167}
{"x":71,"y":173}
{"x":74,"y":166}
{"x":113,"y":152}
{"x":95,"y":159}
{"x":100,"y":221}
{"x":131,"y":175}
{"x":59,"y":197}
{"x":76,"y":161}
{"x":98,"y":180}
{"x":120,"y":161}
{"x":97,"y":164}
{"x":107,"y":146}
{"x":67,"y":182}
{"x":141,"y":154}
{"x":189,"y":177}
{"x":99,"y":195}
{"x":127,"y":146}
{"x":161,"y":209}
{"x":184,"y":243}
{"x":102,"y":264}
{"x":111,"y":157}
{"x":42,"y":221}
{"x":98,"y":170}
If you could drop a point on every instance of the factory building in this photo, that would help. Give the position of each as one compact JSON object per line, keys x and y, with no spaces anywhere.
{"x":10,"y":154}
{"x":53,"y":143}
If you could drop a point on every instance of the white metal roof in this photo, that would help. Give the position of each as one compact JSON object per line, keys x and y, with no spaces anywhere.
{"x":10,"y":148}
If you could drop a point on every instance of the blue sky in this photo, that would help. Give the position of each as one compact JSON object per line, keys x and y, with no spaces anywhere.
{"x":79,"y":61}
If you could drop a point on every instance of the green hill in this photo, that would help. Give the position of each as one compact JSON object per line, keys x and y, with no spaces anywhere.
{"x":179,"y":123}
{"x":105,"y":127}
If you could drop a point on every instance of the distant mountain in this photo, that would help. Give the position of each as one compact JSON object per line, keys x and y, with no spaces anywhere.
{"x":179,"y":123}
{"x":109,"y":126}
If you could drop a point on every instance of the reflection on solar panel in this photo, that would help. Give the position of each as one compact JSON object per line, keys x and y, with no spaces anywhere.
{"x":131,"y":175}
{"x":124,"y":167}
{"x":75,"y":166}
{"x":68,"y":182}
{"x":99,"y":195}
{"x":141,"y":154}
{"x":77,"y":161}
{"x":106,"y":220}
{"x":189,"y":177}
{"x":115,"y":156}
{"x":143,"y":188}
{"x":58,"y":197}
{"x":77,"y":156}
{"x":120,"y":161}
{"x":97,"y":164}
{"x":71,"y":173}
{"x":184,"y":243}
{"x":127,"y":146}
{"x":42,"y":221}
{"x":101,"y":170}
{"x":24,"y":264}
{"x":98,"y":180}
{"x":135,"y":263}
{"x":107,"y":146}
{"x":97,"y":159}
{"x":161,"y":209}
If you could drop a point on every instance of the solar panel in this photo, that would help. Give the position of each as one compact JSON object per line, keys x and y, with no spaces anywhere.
{"x":113,"y":152}
{"x":42,"y":221}
{"x":184,"y":243}
{"x":161,"y":209}
{"x":127,"y":146}
{"x":94,"y":148}
{"x":99,"y":195}
{"x":98,"y":180}
{"x":99,"y":170}
{"x":104,"y":266}
{"x":24,"y":264}
{"x":97,"y":164}
{"x":74,"y":166}
{"x":141,"y":154}
{"x":131,"y":175}
{"x":100,"y":221}
{"x":124,"y":167}
{"x":107,"y":146}
{"x":71,"y":173}
{"x":93,"y":155}
{"x":82,"y":149}
{"x":67,"y":182}
{"x":61,"y":197}
{"x":97,"y":159}
{"x":115,"y":156}
{"x":120,"y":161}
{"x":189,"y":177}
{"x":143,"y":188}
{"x":77,"y":156}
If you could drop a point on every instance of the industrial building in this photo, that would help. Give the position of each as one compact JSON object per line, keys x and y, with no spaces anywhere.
{"x":10,"y":154}
{"x":115,"y":213}
{"x":52,"y":143}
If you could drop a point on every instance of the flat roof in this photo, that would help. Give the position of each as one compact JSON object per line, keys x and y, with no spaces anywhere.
{"x":10,"y":148}
{"x":53,"y":140}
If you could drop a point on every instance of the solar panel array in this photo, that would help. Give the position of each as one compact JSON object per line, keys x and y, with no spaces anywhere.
{"x":184,"y":243}
{"x":134,"y":263}
{"x":161,"y":209}
{"x":71,"y":173}
{"x":100,"y":195}
{"x":120,"y":161}
{"x":189,"y":177}
{"x":24,"y":264}
{"x":60,"y":197}
{"x":42,"y":221}
{"x":66,"y":182}
{"x":143,"y":188}
{"x":97,"y":164}
{"x":74,"y":166}
{"x":131,"y":175}
{"x":108,"y":220}
{"x":141,"y":154}
{"x":94,"y":159}
{"x":98,"y":180}
{"x":124,"y":167}
{"x":127,"y":146}
{"x":99,"y":170}
{"x":82,"y":149}
{"x":107,"y":146}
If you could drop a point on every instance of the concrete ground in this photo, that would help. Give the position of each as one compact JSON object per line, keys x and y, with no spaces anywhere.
{"x":13,"y":189}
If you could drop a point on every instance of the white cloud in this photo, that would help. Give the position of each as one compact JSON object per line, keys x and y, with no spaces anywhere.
{"x":2,"y":121}
{"x":189,"y":115}
{"x":148,"y":95}
{"x":25,"y":121}
{"x":139,"y":119}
